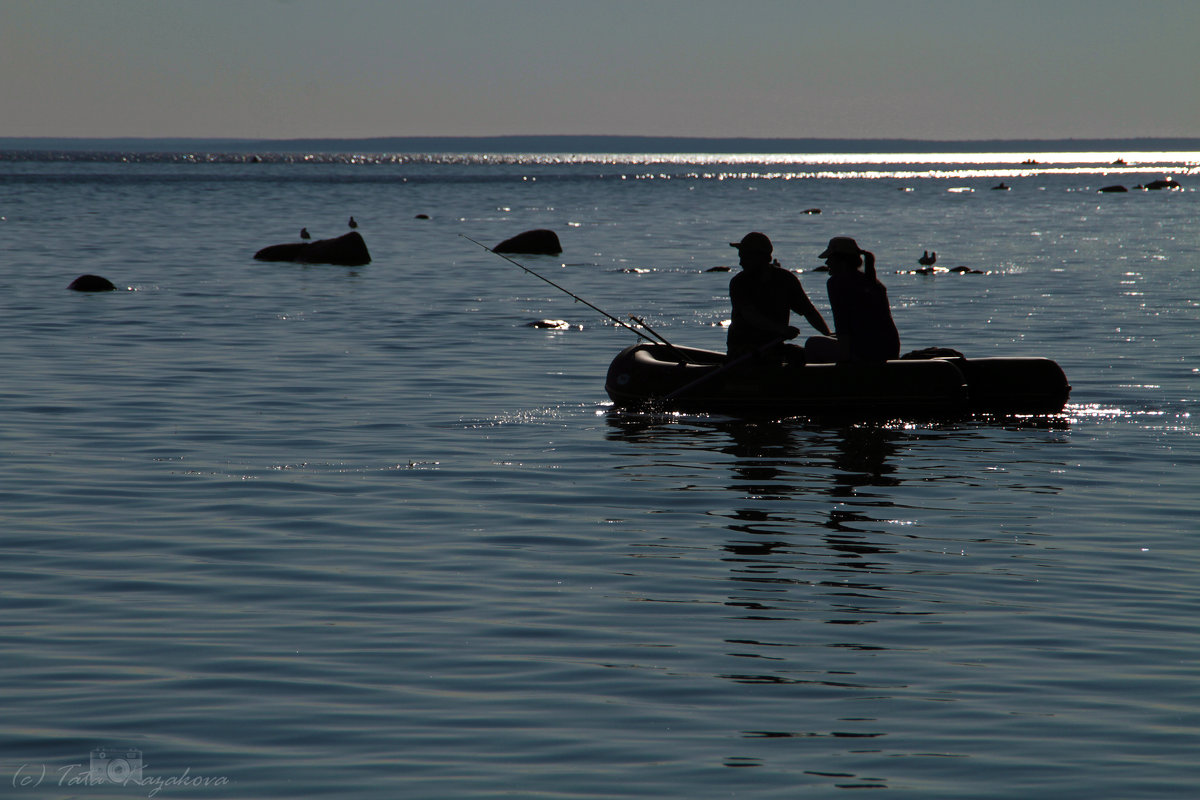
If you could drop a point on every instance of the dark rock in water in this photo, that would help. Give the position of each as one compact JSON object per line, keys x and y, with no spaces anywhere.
{"x":348,"y":250}
{"x":282,"y":252}
{"x":536,"y":242}
{"x":1114,"y":188}
{"x":811,"y":211}
{"x":961,"y":270}
{"x":91,"y":283}
{"x":1163,"y":184}
{"x":719,"y":269}
{"x":550,"y":324}
{"x":1001,"y":187}
{"x":422,"y":216}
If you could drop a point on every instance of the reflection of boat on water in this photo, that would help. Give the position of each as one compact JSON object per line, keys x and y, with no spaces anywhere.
{"x":691,"y":379}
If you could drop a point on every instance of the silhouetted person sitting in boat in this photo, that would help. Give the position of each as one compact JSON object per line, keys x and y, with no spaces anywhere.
{"x":763,"y":295}
{"x":861,"y":314}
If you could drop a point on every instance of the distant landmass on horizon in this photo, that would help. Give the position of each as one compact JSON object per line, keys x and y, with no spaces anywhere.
{"x":596,"y":144}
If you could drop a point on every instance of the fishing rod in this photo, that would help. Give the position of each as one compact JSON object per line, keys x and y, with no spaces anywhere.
{"x":576,"y":297}
{"x":653,"y":332}
{"x":708,"y":376}
{"x":679,"y":354}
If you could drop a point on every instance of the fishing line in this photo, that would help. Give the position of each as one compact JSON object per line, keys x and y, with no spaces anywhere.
{"x":576,"y":297}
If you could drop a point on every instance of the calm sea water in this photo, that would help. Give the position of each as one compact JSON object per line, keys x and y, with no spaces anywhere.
{"x":291,"y":531}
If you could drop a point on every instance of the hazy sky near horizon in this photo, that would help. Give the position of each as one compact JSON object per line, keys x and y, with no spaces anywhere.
{"x":933,"y":69}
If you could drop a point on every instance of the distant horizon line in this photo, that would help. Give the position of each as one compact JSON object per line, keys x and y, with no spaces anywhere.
{"x":624,"y":143}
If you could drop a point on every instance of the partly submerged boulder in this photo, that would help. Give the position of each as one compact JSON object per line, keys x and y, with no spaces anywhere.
{"x":1114,"y":188}
{"x":349,"y":250}
{"x":536,"y":242}
{"x":1163,"y":184}
{"x":91,"y":283}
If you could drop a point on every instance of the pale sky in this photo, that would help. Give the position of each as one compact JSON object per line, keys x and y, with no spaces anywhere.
{"x":282,"y":69}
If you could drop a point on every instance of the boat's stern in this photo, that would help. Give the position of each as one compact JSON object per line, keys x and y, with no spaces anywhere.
{"x":1017,"y":386}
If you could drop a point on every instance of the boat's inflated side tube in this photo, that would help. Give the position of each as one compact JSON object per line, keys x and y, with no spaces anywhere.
{"x":889,"y":389}
{"x":1014,"y":385}
{"x":642,"y":374}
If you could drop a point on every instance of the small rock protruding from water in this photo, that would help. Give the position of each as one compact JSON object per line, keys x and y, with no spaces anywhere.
{"x":535,"y":242}
{"x":91,"y":283}
{"x":347,"y":250}
{"x":1164,"y":183}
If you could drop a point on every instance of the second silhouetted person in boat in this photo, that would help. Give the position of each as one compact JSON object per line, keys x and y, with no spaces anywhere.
{"x":862,"y":316}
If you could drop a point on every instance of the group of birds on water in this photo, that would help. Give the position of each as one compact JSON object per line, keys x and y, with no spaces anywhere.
{"x":927,"y":261}
{"x":305,"y":235}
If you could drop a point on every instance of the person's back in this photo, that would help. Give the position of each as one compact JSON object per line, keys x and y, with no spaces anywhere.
{"x":762,"y":297}
{"x":761,"y":303}
{"x":862,"y":316}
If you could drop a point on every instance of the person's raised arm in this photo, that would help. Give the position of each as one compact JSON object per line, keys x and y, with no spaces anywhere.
{"x":802,"y":305}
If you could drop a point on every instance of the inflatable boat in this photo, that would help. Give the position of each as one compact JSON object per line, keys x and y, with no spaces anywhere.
{"x":669,"y":377}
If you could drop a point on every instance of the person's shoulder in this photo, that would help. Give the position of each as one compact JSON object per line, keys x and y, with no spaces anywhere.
{"x":782,"y":273}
